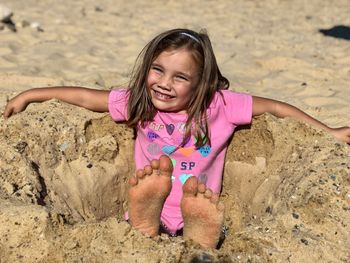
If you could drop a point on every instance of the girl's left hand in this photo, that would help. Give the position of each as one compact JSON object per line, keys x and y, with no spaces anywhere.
{"x":342,"y":134}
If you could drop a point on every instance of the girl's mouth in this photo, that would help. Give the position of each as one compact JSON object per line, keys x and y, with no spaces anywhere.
{"x":162,"y":96}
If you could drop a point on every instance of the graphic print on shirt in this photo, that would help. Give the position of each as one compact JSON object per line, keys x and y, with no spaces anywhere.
{"x":204,"y":150}
{"x":183,"y":177}
{"x":165,"y":139}
{"x":152,"y":136}
{"x":170,"y":128}
{"x":187,"y":151}
{"x":168,"y":149}
{"x":203,"y":178}
{"x":155,"y":126}
{"x":186,"y":168}
{"x":153,"y":149}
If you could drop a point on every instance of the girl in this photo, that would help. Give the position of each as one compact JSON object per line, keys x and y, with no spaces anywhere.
{"x":184,"y":115}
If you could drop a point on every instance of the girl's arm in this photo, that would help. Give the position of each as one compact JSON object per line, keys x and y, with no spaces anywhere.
{"x":281,"y":110}
{"x":95,"y":100}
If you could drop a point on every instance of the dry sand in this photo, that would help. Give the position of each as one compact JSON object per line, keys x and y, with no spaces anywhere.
{"x":63,"y":170}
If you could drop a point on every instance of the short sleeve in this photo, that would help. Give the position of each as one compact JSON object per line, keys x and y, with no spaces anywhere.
{"x":238,"y":107}
{"x":118,"y":104}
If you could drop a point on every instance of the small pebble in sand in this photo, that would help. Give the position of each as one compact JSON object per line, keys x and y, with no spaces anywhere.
{"x":5,"y":18}
{"x":268,"y":210}
{"x":304,"y":241}
{"x":71,"y":244}
{"x":5,"y":13}
{"x":98,"y":9}
{"x":296,"y":229}
{"x":337,"y":187}
{"x":333,"y":177}
{"x":25,"y":23}
{"x":203,"y":257}
{"x":34,"y":25}
{"x":295,"y":215}
{"x":37,"y":26}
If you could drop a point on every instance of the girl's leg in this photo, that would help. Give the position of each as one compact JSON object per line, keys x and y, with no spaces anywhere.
{"x":149,"y":189}
{"x":203,"y":214}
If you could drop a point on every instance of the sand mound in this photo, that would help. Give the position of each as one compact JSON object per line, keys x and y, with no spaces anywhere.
{"x":63,"y":185}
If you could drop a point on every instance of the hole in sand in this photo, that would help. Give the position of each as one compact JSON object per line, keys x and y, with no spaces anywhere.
{"x":76,"y":164}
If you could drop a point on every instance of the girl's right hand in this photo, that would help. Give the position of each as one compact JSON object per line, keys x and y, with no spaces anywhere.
{"x":342,"y":134}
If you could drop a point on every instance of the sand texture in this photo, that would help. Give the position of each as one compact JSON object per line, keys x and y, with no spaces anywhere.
{"x":64,"y":170}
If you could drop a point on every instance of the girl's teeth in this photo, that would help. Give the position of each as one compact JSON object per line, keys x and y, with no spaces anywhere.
{"x":163,"y":96}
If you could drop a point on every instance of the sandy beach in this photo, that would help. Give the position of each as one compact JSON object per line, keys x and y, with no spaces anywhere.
{"x":64,"y":170}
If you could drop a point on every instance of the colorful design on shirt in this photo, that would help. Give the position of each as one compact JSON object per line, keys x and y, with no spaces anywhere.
{"x":168,"y":149}
{"x":170,"y":128}
{"x":181,"y":128}
{"x":205,"y":150}
{"x":204,"y":142}
{"x":186,"y":151}
{"x":155,"y":126}
{"x":183,"y":177}
{"x":187,"y":166}
{"x":202,"y":178}
{"x":173,"y":161}
{"x":152,"y":136}
{"x":153,"y":149}
{"x":226,"y":111}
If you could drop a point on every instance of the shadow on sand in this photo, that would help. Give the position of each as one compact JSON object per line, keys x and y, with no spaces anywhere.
{"x":340,"y":31}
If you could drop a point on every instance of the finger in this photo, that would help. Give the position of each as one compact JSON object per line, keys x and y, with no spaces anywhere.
{"x":7,"y":113}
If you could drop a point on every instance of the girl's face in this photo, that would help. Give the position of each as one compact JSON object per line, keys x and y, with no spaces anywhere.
{"x":172,"y":79}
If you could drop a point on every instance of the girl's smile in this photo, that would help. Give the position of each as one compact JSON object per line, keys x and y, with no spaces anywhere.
{"x":172,"y":79}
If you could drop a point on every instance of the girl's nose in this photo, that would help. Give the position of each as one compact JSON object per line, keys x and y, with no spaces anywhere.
{"x":165,"y":83}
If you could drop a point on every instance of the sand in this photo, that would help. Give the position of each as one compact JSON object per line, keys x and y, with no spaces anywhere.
{"x":64,"y":170}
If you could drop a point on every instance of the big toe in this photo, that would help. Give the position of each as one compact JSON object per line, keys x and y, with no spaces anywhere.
{"x":165,"y":165}
{"x":190,"y":188}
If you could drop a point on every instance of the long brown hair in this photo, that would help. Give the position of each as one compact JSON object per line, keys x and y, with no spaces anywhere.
{"x":140,"y":107}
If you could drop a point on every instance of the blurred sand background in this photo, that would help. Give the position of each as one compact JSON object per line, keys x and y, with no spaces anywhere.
{"x":63,"y":170}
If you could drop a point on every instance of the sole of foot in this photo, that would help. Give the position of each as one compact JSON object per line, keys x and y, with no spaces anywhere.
{"x":148,"y":190}
{"x":202,"y":212}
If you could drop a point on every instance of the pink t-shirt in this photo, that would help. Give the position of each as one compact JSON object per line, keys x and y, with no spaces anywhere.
{"x":165,"y":133}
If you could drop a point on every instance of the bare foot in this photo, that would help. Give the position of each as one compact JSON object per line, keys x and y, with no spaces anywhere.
{"x":149,"y":189}
{"x":202,"y":212}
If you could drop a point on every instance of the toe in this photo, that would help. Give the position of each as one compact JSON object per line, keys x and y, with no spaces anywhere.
{"x":191,"y":186}
{"x":155,"y":164}
{"x":133,"y":181}
{"x":140,"y":174}
{"x":208,"y":193}
{"x":165,"y":165}
{"x":148,"y":170}
{"x":202,"y":188}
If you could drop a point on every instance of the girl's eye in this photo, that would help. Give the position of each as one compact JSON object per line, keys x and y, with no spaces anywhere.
{"x":181,"y":77}
{"x":155,"y":68}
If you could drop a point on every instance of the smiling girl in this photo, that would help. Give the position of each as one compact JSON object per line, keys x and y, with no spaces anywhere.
{"x":184,"y":115}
